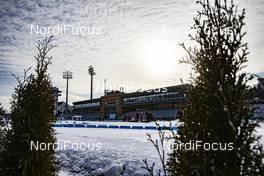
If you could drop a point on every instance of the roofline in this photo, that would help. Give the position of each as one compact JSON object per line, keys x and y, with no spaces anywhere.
{"x":136,"y":94}
{"x":86,"y":101}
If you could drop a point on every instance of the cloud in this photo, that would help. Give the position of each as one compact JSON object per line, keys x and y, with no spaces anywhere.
{"x":113,"y":51}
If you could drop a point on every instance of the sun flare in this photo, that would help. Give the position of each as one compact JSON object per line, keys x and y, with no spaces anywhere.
{"x":160,"y":56}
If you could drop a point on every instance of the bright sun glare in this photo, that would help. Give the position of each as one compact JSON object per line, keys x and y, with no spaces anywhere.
{"x":160,"y":57}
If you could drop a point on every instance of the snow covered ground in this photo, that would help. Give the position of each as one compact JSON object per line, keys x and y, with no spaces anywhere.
{"x":117,"y":123}
{"x":110,"y":152}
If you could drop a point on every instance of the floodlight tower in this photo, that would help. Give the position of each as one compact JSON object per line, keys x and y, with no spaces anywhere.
{"x":67,"y":75}
{"x":105,"y":87}
{"x":91,"y":73}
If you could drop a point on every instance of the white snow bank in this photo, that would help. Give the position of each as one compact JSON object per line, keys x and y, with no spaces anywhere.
{"x":121,"y":151}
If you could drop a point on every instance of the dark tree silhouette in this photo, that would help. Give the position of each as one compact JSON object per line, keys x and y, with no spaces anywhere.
{"x":2,"y":113}
{"x":3,"y":139}
{"x":32,"y":116}
{"x":217,"y":110}
{"x":2,"y":133}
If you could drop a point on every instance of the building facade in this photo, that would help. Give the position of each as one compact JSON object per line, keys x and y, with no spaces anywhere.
{"x":162,"y":103}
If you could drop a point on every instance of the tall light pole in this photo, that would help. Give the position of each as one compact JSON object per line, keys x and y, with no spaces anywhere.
{"x":91,"y":73}
{"x":67,"y":75}
{"x":105,"y":87}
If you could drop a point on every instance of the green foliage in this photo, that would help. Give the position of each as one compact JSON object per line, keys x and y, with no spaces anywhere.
{"x":32,"y":117}
{"x":217,"y":110}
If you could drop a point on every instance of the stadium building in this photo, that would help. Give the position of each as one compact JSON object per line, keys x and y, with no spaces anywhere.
{"x":162,"y":103}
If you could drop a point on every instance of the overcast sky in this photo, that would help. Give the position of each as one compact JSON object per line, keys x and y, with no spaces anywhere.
{"x":131,"y":43}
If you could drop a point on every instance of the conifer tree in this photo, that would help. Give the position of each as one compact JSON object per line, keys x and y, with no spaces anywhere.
{"x":3,"y":141}
{"x":32,"y":117}
{"x":2,"y":132}
{"x":217,"y":109}
{"x":5,"y":133}
{"x":2,"y":113}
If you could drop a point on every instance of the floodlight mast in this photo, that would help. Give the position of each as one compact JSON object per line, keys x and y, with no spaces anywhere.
{"x":105,"y":86}
{"x":91,"y":73}
{"x":67,"y":75}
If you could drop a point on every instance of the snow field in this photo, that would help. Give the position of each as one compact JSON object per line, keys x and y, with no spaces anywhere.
{"x":120,"y":154}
